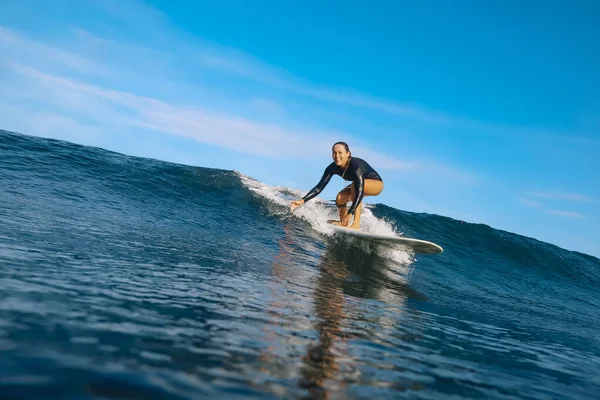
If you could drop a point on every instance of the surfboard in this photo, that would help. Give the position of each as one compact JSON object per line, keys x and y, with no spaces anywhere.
{"x":417,"y":245}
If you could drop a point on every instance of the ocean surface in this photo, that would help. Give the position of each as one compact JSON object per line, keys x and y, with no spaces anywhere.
{"x":132,"y":278}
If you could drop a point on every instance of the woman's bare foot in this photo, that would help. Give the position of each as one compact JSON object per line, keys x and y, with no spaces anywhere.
{"x":338,"y":223}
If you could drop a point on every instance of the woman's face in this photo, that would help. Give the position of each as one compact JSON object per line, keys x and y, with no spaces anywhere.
{"x":340,"y":155}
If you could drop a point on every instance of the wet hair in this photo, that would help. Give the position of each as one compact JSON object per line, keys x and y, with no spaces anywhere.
{"x":342,"y":143}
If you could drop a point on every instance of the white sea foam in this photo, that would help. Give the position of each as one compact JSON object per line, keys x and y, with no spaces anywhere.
{"x":318,"y":211}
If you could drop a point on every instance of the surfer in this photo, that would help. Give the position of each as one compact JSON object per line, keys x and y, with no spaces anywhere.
{"x":365,"y":182}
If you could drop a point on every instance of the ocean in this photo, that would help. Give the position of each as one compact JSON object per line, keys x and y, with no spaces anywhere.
{"x":131,"y":278}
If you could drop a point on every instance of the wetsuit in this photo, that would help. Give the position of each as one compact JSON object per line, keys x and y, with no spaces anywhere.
{"x":358,"y":170}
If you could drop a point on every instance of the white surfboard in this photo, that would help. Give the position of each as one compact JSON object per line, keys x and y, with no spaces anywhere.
{"x":417,"y":245}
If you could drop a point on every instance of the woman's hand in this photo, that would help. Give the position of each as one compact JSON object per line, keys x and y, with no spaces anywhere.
{"x":296,"y":204}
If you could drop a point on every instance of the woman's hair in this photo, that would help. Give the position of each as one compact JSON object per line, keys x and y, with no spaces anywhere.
{"x":342,"y":143}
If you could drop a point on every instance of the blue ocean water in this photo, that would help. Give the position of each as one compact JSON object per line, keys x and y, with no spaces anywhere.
{"x":125,"y":277}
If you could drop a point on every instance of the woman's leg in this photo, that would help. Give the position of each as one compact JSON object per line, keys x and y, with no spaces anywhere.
{"x":372,"y":187}
{"x":341,"y":200}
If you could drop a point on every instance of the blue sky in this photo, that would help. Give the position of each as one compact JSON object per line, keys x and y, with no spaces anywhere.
{"x":485,"y":112}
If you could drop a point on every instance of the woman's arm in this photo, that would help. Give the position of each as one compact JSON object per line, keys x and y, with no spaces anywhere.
{"x":321,"y":185}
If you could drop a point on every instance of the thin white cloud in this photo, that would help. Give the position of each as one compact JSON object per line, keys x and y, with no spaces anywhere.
{"x":268,"y":106}
{"x":228,"y":131}
{"x":557,"y":195}
{"x":18,"y":49}
{"x":554,"y":196}
{"x":224,"y":130}
{"x":570,"y":214}
{"x":529,"y":202}
{"x":232,"y":61}
{"x":224,"y":59}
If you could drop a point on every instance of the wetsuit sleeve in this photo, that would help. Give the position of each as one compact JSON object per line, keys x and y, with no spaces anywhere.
{"x":359,"y":191}
{"x":321,"y":185}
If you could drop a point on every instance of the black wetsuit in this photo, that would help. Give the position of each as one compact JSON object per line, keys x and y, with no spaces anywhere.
{"x":358,"y":170}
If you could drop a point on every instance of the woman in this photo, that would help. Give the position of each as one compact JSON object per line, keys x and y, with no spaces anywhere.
{"x":365,"y":182}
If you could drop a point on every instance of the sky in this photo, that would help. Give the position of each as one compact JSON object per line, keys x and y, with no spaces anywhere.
{"x":486,"y":112}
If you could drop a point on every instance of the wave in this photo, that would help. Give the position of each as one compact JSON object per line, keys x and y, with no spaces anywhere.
{"x":93,"y":177}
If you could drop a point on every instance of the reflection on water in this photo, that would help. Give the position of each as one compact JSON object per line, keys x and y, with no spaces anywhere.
{"x":334,"y":313}
{"x":320,"y":361}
